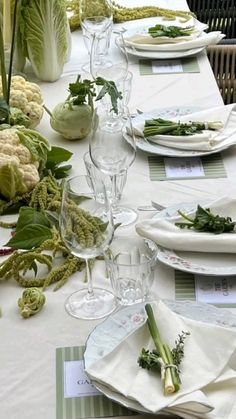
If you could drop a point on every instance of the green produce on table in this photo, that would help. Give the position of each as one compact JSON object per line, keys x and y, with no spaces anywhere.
{"x":123,"y":13}
{"x":25,"y":102}
{"x":31,"y":302}
{"x":162,"y":359}
{"x":159,"y":126}
{"x":42,"y":37}
{"x":205,"y":221}
{"x":23,"y":155}
{"x":169,"y":31}
{"x":73,"y":117}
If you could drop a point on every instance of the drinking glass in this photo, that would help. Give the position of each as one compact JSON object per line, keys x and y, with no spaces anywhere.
{"x":130,"y":262}
{"x":100,"y":180}
{"x":96,"y":23}
{"x":113,"y":152}
{"x":86,"y":230}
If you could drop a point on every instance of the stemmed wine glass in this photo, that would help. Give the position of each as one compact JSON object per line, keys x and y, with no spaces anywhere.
{"x":113,"y":152}
{"x":86,"y":229}
{"x":96,"y":22}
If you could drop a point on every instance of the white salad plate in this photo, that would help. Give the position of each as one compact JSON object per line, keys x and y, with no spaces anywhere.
{"x":112,"y":331}
{"x":146,"y":145}
{"x":202,"y":263}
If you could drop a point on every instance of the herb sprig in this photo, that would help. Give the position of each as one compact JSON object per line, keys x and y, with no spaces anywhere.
{"x":159,"y":126}
{"x":169,"y":31}
{"x":206,"y":221}
{"x":162,"y":359}
{"x":84,"y":90}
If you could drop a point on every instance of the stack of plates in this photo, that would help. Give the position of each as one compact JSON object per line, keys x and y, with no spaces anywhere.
{"x":139,"y":43}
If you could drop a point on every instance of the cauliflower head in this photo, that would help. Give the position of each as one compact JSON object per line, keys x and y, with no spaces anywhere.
{"x":23,"y":154}
{"x":27,"y":97}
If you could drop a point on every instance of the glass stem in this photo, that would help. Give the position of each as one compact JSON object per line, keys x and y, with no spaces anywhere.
{"x":90,"y":294}
{"x":113,"y":192}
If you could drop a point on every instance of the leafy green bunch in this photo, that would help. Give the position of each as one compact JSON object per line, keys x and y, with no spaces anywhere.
{"x":206,"y":221}
{"x":169,"y":31}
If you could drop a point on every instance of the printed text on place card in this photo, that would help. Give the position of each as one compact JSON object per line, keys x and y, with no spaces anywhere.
{"x":167,"y":66}
{"x":76,"y":382}
{"x":176,"y":167}
{"x":215,"y":290}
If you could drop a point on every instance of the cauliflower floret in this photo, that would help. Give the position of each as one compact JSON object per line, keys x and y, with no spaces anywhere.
{"x":8,"y":159}
{"x":30,"y":175}
{"x":33,"y":93}
{"x":18,"y":99}
{"x":27,"y":97}
{"x":9,"y":136}
{"x":35,"y":112}
{"x":22,"y":153}
{"x":18,"y":82}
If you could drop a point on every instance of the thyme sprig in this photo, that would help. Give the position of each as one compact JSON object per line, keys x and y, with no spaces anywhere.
{"x":205,"y":221}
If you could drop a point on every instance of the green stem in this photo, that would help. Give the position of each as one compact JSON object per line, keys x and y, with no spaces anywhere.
{"x":12,"y":51}
{"x":185,"y":216}
{"x":169,"y":386}
{"x":3,"y":68}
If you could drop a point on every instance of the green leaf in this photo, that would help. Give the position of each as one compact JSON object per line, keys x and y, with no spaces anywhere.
{"x":109,"y":87}
{"x":29,"y":216}
{"x":62,"y":171}
{"x":57,"y":155}
{"x":29,"y":237}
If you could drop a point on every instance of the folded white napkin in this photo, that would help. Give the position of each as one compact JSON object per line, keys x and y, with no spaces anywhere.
{"x":164,"y":232}
{"x":120,"y":371}
{"x":145,"y":42}
{"x":208,"y":140}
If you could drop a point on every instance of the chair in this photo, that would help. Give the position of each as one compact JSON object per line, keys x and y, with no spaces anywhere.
{"x":223,"y":62}
{"x":220,"y":15}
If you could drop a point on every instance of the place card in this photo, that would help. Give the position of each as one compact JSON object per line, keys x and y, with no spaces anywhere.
{"x":76,"y":397}
{"x":167,"y":168}
{"x":76,"y":381}
{"x":215,"y":289}
{"x":171,"y":66}
{"x":174,"y":66}
{"x":181,"y":167}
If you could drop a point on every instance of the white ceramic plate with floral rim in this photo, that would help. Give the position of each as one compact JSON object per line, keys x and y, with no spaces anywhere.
{"x":162,"y":55}
{"x":112,"y":331}
{"x":169,"y":113}
{"x":195,"y":262}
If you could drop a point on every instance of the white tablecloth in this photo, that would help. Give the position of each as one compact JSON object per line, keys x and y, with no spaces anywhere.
{"x":27,"y":347}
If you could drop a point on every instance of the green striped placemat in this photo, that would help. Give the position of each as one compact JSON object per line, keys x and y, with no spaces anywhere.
{"x":183,"y":65}
{"x":85,"y":406}
{"x":185,"y":289}
{"x":213,"y":167}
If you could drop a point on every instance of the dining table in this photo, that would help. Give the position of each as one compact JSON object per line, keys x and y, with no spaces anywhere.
{"x":28,"y":378}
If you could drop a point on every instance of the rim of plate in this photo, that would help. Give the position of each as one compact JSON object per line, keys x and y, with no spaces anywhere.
{"x":156,"y":149}
{"x":172,"y":258}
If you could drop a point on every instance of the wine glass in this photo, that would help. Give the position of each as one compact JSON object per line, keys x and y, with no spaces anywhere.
{"x":86,"y":229}
{"x":96,"y":22}
{"x":113,"y":152}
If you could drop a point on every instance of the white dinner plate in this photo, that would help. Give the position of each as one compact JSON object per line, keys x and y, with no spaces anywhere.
{"x":144,"y":144}
{"x":111,"y":332}
{"x":163,"y":55}
{"x":194,"y":262}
